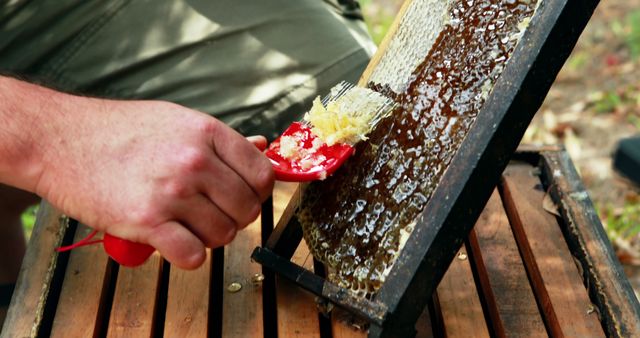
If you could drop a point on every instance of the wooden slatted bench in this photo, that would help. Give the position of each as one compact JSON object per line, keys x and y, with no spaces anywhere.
{"x":537,"y":263}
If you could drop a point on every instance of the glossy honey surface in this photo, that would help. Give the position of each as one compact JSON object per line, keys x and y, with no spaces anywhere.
{"x":355,"y":220}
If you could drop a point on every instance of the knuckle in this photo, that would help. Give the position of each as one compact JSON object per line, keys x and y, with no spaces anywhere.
{"x":193,"y":160}
{"x":177,"y":189}
{"x":145,"y":215}
{"x":210,"y":126}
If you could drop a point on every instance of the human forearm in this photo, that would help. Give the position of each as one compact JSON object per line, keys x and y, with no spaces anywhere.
{"x":148,"y":171}
{"x":25,"y":110}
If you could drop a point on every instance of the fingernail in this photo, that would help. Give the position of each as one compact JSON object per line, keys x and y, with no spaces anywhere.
{"x":196,"y":259}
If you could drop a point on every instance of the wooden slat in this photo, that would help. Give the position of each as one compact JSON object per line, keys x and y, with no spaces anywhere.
{"x":341,"y":328}
{"x":27,"y":306}
{"x":619,"y":309}
{"x":242,"y":309}
{"x":134,"y":300}
{"x":283,"y":192}
{"x":505,"y":287}
{"x":555,"y":278}
{"x":187,"y":313}
{"x":297,"y":312}
{"x":80,"y":308}
{"x":460,"y":306}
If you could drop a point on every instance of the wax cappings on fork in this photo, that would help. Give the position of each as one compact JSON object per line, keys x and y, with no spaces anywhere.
{"x":315,"y":148}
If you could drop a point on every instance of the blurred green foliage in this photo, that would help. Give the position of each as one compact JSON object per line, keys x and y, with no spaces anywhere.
{"x":634,"y":119}
{"x":632,"y":36}
{"x":623,"y":99}
{"x":379,"y":15}
{"x":623,"y":223}
{"x":29,"y":220}
{"x":606,"y":102}
{"x":628,"y":30}
{"x":577,"y":60}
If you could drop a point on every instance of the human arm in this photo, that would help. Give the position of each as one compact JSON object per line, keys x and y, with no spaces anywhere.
{"x":148,"y":171}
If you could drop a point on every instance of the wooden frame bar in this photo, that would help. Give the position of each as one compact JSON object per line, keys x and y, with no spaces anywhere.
{"x":586,"y":237}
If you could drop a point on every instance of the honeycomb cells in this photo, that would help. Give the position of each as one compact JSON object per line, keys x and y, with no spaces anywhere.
{"x":355,"y":221}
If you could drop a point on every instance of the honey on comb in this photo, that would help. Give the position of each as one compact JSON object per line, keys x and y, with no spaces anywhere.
{"x":355,"y":221}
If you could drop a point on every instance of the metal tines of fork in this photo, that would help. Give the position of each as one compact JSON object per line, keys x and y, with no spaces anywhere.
{"x":344,"y":87}
{"x":383,"y":111}
{"x":337,"y":92}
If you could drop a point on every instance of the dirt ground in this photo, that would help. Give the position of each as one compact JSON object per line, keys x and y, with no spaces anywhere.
{"x":595,"y":100}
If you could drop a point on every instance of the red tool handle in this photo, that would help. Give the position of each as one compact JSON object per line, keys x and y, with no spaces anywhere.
{"x":126,"y":252}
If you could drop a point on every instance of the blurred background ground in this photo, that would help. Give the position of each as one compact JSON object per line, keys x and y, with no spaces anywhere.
{"x":594,"y":102}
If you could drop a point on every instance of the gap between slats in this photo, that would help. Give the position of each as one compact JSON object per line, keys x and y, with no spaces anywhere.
{"x":216,"y":292}
{"x":161,"y":300}
{"x":269,"y":306}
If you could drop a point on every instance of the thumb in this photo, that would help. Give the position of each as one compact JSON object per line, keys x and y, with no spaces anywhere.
{"x":259,"y":141}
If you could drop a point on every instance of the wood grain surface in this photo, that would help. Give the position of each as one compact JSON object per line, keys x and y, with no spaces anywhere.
{"x":135,"y":299}
{"x":556,"y":280}
{"x":242,"y":309}
{"x":187,"y":312}
{"x":511,"y":304}
{"x":297,"y":311}
{"x":458,"y":300}
{"x":80,"y":310}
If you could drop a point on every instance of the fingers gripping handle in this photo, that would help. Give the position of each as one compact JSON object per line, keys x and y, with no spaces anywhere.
{"x":125,"y":252}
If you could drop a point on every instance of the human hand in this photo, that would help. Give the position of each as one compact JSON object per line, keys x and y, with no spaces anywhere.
{"x":155,"y":173}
